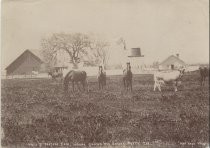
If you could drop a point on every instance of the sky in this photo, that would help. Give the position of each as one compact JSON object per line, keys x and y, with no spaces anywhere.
{"x":159,"y":27}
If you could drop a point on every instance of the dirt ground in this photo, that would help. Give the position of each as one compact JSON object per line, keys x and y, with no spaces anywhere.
{"x":37,"y":111}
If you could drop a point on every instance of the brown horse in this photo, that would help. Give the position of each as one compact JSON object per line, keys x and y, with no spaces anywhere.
{"x":75,"y":77}
{"x":204,"y":72}
{"x":127,"y":77}
{"x":101,"y":78}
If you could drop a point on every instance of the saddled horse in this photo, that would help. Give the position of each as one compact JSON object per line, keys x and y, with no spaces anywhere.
{"x":127,"y":77}
{"x":101,"y":78}
{"x":75,"y":77}
{"x":204,"y":72}
{"x":55,"y":75}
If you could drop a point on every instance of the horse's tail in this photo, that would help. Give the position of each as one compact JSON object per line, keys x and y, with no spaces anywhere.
{"x":66,"y":80}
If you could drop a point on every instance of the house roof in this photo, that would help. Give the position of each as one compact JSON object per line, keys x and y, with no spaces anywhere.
{"x":21,"y":57}
{"x":171,"y":60}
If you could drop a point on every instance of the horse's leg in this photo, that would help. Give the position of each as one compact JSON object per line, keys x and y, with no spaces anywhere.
{"x":204,"y":79}
{"x":127,"y":85}
{"x":66,"y":84}
{"x":83,"y":85}
{"x":78,"y":86}
{"x":131,"y":85}
{"x":61,"y":79}
{"x":99,"y":84}
{"x":201,"y":80}
{"x":73,"y":85}
{"x":102,"y":84}
{"x":105,"y":81}
{"x":86,"y":84}
{"x":124,"y":83}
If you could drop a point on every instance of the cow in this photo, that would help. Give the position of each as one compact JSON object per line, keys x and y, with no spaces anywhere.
{"x":35,"y":73}
{"x":167,"y":77}
{"x":204,"y":72}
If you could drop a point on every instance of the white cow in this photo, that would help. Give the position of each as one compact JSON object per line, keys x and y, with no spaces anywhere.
{"x":35,"y":73}
{"x":164,"y":77}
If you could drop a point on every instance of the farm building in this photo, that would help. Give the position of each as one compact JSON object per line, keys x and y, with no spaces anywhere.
{"x":25,"y":64}
{"x":172,"y":62}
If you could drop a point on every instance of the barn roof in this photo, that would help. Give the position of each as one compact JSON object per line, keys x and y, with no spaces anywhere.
{"x":37,"y":53}
{"x":19,"y":59}
{"x":171,"y":60}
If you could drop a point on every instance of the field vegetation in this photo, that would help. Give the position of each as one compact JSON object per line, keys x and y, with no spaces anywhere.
{"x":37,"y":110}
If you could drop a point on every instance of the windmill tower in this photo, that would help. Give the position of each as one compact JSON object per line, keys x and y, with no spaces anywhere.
{"x":124,"y":54}
{"x":136,"y":59}
{"x":133,"y":56}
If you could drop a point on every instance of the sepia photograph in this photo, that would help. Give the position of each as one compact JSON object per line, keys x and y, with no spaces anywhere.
{"x":104,"y":74}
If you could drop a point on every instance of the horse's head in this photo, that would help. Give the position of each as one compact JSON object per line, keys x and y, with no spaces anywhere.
{"x":100,"y":67}
{"x":50,"y":73}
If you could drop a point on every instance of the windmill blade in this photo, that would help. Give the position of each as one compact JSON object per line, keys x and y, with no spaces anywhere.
{"x":121,"y":41}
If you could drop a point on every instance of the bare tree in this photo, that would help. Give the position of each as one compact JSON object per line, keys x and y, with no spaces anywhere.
{"x":100,"y":52}
{"x":75,"y":45}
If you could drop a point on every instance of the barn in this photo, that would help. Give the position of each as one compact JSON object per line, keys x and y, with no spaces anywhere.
{"x":172,"y":62}
{"x":25,"y":64}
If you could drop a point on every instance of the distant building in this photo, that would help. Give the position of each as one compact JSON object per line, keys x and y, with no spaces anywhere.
{"x":25,"y":64}
{"x":172,"y":62}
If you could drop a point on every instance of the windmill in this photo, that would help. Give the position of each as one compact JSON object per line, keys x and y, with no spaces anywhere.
{"x":133,"y":55}
{"x":124,"y":52}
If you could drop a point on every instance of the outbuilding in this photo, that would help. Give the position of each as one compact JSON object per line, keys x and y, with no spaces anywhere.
{"x":172,"y":62}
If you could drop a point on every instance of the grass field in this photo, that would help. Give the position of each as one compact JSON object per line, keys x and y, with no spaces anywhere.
{"x":37,"y":110}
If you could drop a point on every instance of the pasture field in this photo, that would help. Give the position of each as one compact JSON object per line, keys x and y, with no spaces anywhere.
{"x":37,"y":111}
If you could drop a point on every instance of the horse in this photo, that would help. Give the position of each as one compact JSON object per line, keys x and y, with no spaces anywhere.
{"x":101,"y":78}
{"x":204,"y":72}
{"x":75,"y":77}
{"x":127,"y":77}
{"x":55,"y":75}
